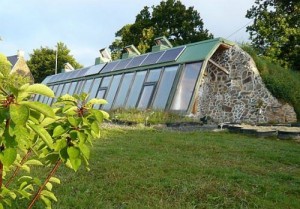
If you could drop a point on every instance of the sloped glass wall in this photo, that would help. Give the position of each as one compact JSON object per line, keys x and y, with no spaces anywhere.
{"x":170,"y":87}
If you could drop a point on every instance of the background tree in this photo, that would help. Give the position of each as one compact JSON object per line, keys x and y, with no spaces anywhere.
{"x":42,"y":61}
{"x":170,"y":18}
{"x":275,"y":31}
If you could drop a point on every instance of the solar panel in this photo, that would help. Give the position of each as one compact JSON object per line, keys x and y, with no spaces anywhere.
{"x":54,"y":78}
{"x":94,"y":69}
{"x":152,"y":58}
{"x":171,"y":55}
{"x":109,"y":67}
{"x":47,"y":79}
{"x":73,"y":74}
{"x":122,"y":64}
{"x":62,"y":76}
{"x":82,"y":72}
{"x":136,"y":61}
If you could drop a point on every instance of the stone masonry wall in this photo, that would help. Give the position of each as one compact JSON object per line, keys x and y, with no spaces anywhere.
{"x":239,"y":96}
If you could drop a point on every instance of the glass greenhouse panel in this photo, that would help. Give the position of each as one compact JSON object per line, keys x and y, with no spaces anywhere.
{"x":87,"y":86}
{"x":95,"y":87}
{"x":72,"y":88}
{"x":112,"y":91}
{"x":186,"y":87}
{"x":66,"y":89}
{"x":100,"y":95}
{"x":152,"y":58}
{"x":146,"y":96}
{"x":165,"y":87}
{"x":136,"y":89}
{"x":50,"y":100}
{"x":78,"y":87}
{"x":153,"y":75}
{"x":106,"y":81}
{"x":125,"y":85}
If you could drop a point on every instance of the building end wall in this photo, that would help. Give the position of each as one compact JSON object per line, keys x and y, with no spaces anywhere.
{"x":240,"y":95}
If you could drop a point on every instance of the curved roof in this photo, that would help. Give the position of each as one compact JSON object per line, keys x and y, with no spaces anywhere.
{"x":198,"y":51}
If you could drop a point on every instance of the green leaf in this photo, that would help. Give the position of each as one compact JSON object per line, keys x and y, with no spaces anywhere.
{"x":85,"y":150}
{"x":33,"y":162}
{"x":40,"y":89}
{"x":49,"y":186}
{"x":97,"y":101}
{"x":98,"y":115}
{"x":54,"y":180}
{"x":63,"y":154}
{"x":49,"y":194}
{"x":95,"y":129}
{"x":75,"y":163}
{"x":58,"y":131}
{"x":73,"y":152}
{"x":68,"y":97}
{"x":105,"y":115}
{"x":8,"y":156}
{"x":73,"y":121}
{"x":19,"y":114}
{"x":60,"y":144}
{"x":46,"y":201}
{"x":40,"y":107}
{"x":43,"y":134}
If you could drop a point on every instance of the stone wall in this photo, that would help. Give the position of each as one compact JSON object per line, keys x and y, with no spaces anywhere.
{"x":240,"y":95}
{"x":22,"y":69}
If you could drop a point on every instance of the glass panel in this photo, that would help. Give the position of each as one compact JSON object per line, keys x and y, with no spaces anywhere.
{"x":109,"y":67}
{"x":59,"y":89}
{"x":122,"y":64}
{"x":186,"y":87}
{"x":112,"y":91}
{"x":152,"y":58}
{"x":136,"y":89}
{"x":105,"y":81}
{"x":121,"y":97}
{"x":66,"y":89}
{"x":72,"y":88}
{"x":145,"y":97}
{"x":136,"y":61}
{"x":153,"y":75}
{"x":94,"y":69}
{"x":87,"y":86}
{"x":100,"y":95}
{"x":78,"y":87}
{"x":50,"y":100}
{"x":165,"y":87}
{"x":171,"y":55}
{"x":95,"y":87}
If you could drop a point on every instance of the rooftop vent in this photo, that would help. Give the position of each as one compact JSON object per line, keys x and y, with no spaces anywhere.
{"x":105,"y":56}
{"x":130,"y":51}
{"x":67,"y":68}
{"x":162,"y":43}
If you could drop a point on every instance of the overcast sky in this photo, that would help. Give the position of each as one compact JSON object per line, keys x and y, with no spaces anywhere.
{"x":86,"y":26}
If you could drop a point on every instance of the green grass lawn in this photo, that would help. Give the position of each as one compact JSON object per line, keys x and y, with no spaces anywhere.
{"x":146,"y":168}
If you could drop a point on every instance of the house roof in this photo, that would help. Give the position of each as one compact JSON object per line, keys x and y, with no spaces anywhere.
{"x":13,"y":60}
{"x":198,"y":51}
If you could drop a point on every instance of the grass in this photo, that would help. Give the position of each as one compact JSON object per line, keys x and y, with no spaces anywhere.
{"x":146,"y":168}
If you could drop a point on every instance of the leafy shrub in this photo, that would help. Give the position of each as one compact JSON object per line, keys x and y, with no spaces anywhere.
{"x":146,"y":117}
{"x":33,"y":133}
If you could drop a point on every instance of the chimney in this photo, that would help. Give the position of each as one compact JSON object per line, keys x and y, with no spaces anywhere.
{"x":20,"y":53}
{"x":105,"y":56}
{"x":130,"y":51}
{"x":162,"y":43}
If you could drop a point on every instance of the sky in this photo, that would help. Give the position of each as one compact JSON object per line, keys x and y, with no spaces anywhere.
{"x":86,"y":26}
